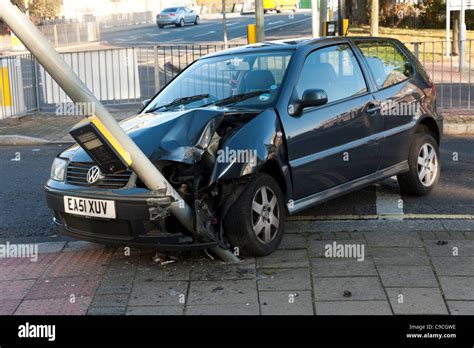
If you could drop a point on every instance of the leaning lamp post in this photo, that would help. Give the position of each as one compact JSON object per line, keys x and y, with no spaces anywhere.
{"x":104,"y":124}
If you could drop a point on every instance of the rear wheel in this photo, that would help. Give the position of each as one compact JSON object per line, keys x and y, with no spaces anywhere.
{"x":161,"y":26}
{"x":425,"y":166}
{"x":255,"y":223}
{"x":181,"y":23}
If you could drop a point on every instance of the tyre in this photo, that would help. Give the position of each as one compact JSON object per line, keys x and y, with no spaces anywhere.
{"x":197,"y":20}
{"x":255,"y":223}
{"x":425,"y":166}
{"x":161,"y":26}
{"x":181,"y":23}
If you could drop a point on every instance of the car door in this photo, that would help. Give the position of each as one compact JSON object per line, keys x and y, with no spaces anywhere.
{"x":189,"y":17}
{"x":397,"y":96}
{"x":335,"y":143}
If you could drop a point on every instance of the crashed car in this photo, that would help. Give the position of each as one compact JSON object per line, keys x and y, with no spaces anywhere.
{"x":249,"y":135}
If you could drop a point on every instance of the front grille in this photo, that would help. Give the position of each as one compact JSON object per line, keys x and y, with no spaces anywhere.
{"x":77,"y":175}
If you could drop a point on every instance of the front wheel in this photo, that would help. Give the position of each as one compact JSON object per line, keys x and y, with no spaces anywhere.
{"x":425,"y":166}
{"x":197,"y":20}
{"x":255,"y":223}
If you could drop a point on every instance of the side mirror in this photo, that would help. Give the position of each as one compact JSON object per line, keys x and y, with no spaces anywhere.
{"x":146,"y":102}
{"x":311,"y":97}
{"x":314,"y":97}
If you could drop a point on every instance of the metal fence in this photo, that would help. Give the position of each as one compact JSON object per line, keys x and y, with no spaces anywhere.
{"x":131,"y":75}
{"x":453,"y":80}
{"x":115,"y":76}
{"x":68,"y":34}
{"x":124,"y":19}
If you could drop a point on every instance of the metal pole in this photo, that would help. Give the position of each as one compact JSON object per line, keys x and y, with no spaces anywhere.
{"x":462,"y":37}
{"x":323,"y":15}
{"x":374,"y":18}
{"x":315,"y":18}
{"x":224,"y":23}
{"x":79,"y":93}
{"x":260,"y":20}
{"x":448,"y":29}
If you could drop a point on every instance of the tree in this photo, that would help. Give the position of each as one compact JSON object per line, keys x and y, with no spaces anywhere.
{"x":45,"y":8}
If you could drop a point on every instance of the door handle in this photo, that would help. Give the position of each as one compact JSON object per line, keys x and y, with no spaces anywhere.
{"x":372,"y":109}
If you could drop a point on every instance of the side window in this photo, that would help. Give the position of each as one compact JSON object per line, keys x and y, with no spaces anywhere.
{"x":387,"y":64}
{"x":334,"y":69}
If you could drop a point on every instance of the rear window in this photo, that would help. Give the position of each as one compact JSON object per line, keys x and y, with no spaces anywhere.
{"x":168,"y":10}
{"x":387,"y":63}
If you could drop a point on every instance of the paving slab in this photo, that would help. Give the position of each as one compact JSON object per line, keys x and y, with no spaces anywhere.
{"x":15,"y":289}
{"x":8,"y":307}
{"x":417,"y":301}
{"x":284,"y":259}
{"x":106,"y":311}
{"x":461,"y":307}
{"x":394,"y":256}
{"x":158,"y":293}
{"x":353,"y":308}
{"x":55,"y":306}
{"x":110,"y":300}
{"x":284,"y":279}
{"x":115,"y":285}
{"x":397,"y":239}
{"x":361,"y":289}
{"x":334,"y":267}
{"x":155,"y":310}
{"x":231,"y":309}
{"x":407,"y":276}
{"x":63,"y":287}
{"x":458,"y":288}
{"x":51,"y":247}
{"x":215,"y":270}
{"x":286,"y":303}
{"x":453,"y":248}
{"x":453,"y":266}
{"x":293,"y":241}
{"x":222,"y":292}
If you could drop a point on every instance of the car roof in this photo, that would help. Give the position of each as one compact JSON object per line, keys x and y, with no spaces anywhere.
{"x":291,"y":44}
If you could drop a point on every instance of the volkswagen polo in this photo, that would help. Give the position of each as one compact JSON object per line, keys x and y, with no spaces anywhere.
{"x":249,"y":135}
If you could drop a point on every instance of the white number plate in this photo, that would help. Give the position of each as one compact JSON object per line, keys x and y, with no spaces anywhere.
{"x":89,"y":207}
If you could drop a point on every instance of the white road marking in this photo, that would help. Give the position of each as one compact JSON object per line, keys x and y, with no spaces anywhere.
{"x":278,"y":22}
{"x":209,"y":32}
{"x":388,"y":203}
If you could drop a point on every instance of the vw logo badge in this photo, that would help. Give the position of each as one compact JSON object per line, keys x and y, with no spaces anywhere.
{"x":94,"y":174}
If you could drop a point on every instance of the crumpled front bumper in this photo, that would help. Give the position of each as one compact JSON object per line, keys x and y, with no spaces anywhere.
{"x":132,"y":226}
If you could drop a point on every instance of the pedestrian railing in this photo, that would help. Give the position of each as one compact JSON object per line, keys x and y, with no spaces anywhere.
{"x":130,"y":75}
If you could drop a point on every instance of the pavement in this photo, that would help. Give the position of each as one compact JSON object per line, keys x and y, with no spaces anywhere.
{"x":406,"y":267}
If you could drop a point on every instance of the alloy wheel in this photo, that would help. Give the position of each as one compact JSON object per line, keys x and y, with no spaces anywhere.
{"x":427,"y":165}
{"x":265,"y":214}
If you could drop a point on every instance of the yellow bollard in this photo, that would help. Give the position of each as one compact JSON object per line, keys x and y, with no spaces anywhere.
{"x":251,"y":34}
{"x":345,"y":26}
{"x":5,"y":94}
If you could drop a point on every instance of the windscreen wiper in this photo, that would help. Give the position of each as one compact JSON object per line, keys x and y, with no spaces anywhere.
{"x":180,"y":101}
{"x":238,"y":97}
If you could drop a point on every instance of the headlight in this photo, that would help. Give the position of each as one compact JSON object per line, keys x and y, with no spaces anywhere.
{"x":58,"y":169}
{"x":206,"y":135}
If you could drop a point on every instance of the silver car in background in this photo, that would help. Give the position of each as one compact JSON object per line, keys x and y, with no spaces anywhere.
{"x":179,"y":16}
